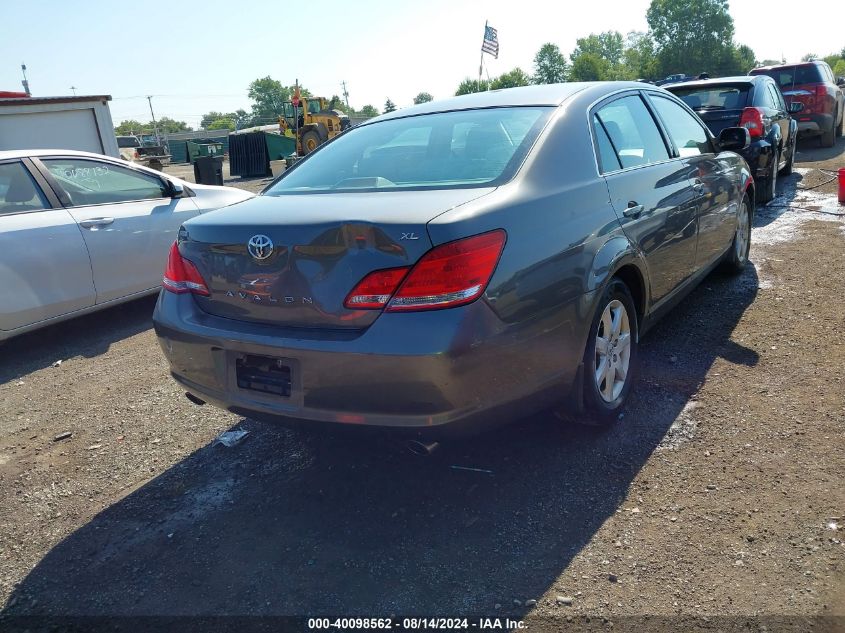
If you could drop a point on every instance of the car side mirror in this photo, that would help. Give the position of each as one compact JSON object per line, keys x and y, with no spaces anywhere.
{"x":176,"y":190}
{"x":840,"y":81}
{"x":734,"y":139}
{"x":795,"y":107}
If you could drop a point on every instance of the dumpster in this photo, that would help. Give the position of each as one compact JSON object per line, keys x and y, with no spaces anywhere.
{"x":208,"y":170}
{"x":206,"y":148}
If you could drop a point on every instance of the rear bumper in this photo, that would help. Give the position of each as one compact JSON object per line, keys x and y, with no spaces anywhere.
{"x":421,"y":371}
{"x":812,"y":124}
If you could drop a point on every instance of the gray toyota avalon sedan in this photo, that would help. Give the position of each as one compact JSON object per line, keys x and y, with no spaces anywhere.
{"x":475,"y":259}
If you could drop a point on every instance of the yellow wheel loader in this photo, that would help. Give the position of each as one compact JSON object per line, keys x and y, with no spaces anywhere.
{"x":311,"y":122}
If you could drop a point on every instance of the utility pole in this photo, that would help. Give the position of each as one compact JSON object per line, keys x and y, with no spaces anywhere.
{"x":345,"y":95}
{"x":155,"y":125}
{"x":74,"y":90}
{"x":25,"y":82}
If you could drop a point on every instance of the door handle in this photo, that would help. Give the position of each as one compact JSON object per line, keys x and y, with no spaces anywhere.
{"x":95,"y":223}
{"x":633,"y":210}
{"x":698,"y":186}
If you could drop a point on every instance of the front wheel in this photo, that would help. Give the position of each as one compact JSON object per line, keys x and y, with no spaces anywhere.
{"x":310,"y":142}
{"x":611,"y":355}
{"x":737,"y":256}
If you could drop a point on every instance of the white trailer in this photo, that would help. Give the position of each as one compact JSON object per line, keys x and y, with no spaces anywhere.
{"x":80,"y":123}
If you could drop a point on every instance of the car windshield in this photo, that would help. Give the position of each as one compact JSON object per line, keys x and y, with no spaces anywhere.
{"x":714,"y":97}
{"x":469,"y":148}
{"x":787,"y":76}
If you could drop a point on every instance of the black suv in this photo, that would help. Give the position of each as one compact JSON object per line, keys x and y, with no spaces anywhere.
{"x":813,"y":84}
{"x":756,"y":104}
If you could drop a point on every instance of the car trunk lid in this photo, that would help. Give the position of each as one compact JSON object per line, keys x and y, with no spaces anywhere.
{"x":313,"y":250}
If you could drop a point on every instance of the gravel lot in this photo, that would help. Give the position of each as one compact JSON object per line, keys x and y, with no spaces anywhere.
{"x":720,"y":492}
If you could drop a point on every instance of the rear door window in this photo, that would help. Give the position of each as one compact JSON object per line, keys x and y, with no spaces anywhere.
{"x":687,"y":134}
{"x":18,"y":191}
{"x":632,"y":131}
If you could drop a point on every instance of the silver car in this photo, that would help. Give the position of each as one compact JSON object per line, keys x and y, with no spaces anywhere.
{"x":81,"y":231}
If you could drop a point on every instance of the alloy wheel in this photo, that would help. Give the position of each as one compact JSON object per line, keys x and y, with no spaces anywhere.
{"x":613,"y":351}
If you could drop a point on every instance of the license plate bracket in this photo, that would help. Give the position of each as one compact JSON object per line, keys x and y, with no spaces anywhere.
{"x":264,"y":374}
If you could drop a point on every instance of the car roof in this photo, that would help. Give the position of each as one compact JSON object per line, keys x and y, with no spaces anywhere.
{"x":23,"y":153}
{"x":541,"y":95}
{"x":793,"y":65}
{"x":703,"y":83}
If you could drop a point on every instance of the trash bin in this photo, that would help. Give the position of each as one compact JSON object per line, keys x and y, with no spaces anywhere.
{"x":208,"y":170}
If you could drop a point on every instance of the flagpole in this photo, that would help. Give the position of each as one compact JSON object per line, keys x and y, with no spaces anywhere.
{"x":481,"y":63}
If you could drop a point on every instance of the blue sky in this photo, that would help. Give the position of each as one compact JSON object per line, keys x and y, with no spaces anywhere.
{"x":195,"y":56}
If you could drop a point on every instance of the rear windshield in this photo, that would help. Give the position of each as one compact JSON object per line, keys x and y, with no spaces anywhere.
{"x":469,"y":148}
{"x":724,"y":97}
{"x":786,"y":76}
{"x":127,"y":141}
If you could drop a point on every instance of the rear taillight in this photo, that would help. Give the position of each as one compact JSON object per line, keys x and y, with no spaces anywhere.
{"x":821,"y":91}
{"x":448,"y":275}
{"x":136,"y":154}
{"x":182,"y":276}
{"x":752,"y":120}
{"x":374,"y":290}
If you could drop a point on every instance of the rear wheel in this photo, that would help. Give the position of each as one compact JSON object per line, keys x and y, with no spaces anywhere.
{"x":770,"y":190}
{"x":737,"y":256}
{"x":611,"y":354}
{"x":310,"y":142}
{"x":829,"y":136}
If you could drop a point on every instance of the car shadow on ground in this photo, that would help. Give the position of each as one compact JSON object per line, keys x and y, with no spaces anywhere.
{"x":88,"y":336}
{"x":288,"y":522}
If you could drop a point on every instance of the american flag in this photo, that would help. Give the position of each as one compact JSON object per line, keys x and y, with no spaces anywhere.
{"x":491,"y":42}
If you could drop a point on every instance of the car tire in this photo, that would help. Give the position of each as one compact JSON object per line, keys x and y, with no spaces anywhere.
{"x":787,"y":169}
{"x":828,"y":137}
{"x":769,"y":191}
{"x":737,"y":256}
{"x":610,"y":355}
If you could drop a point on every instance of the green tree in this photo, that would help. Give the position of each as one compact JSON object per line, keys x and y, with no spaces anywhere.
{"x":839,"y":68}
{"x":744,"y":60}
{"x":132,"y":127}
{"x":589,"y":67}
{"x":511,"y":79}
{"x":336,"y":103}
{"x":389,"y":106}
{"x":369,"y":111}
{"x":469,"y":86}
{"x":209,"y":117}
{"x":549,"y":65}
{"x":770,"y":62}
{"x":608,"y":45}
{"x":166,"y":125}
{"x":223,"y":123}
{"x":831,"y":59}
{"x":640,"y":57}
{"x":267,"y":95}
{"x":809,"y":57}
{"x":691,"y":36}
{"x":423,"y":97}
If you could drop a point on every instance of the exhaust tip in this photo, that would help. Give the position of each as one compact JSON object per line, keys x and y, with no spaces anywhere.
{"x":422,"y":448}
{"x":194,"y":399}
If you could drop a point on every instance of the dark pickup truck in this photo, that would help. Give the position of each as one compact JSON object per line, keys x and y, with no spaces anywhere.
{"x":134,"y":151}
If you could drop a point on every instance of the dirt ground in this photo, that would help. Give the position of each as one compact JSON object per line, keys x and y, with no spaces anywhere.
{"x":718,"y":495}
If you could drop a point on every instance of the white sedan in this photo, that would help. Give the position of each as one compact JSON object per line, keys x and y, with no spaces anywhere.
{"x":82,"y":231}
